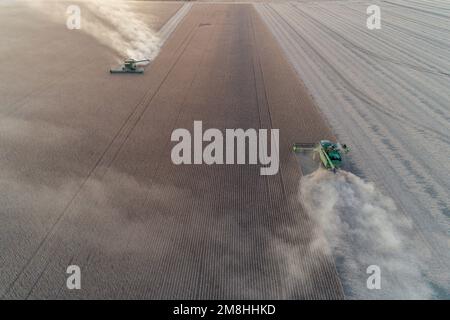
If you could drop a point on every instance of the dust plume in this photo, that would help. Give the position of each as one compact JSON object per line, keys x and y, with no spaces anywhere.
{"x":360,"y":227}
{"x":112,"y":23}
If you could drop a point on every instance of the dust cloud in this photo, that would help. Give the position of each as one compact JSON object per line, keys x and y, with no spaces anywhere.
{"x":112,"y":23}
{"x":359,"y":227}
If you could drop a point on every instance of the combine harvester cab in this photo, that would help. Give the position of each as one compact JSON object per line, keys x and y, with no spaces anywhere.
{"x":329,"y":154}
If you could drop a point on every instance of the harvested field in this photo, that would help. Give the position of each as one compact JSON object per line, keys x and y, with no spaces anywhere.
{"x":385,"y":93}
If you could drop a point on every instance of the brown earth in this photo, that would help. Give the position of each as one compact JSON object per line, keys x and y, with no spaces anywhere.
{"x":87,"y":177}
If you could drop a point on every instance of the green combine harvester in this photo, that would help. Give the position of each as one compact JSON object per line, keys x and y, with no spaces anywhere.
{"x":330,"y":154}
{"x":130,"y":66}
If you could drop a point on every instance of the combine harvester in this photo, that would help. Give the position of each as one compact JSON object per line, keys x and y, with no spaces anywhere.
{"x":330,"y":154}
{"x":130,"y":66}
